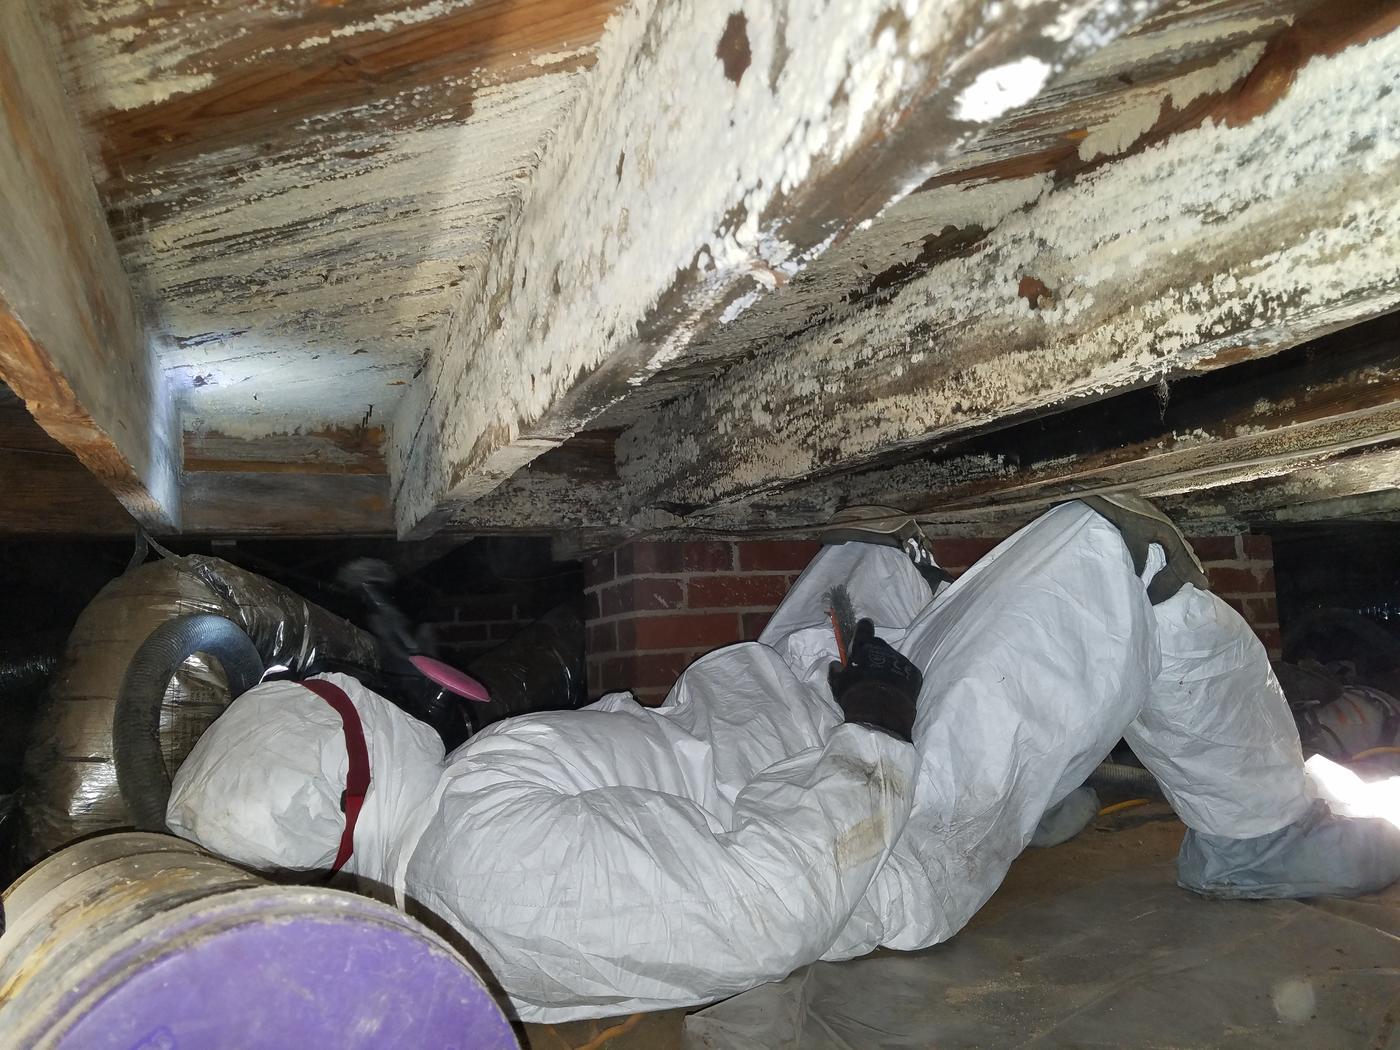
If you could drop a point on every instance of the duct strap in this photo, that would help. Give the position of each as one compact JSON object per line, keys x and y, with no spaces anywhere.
{"x":352,"y":799}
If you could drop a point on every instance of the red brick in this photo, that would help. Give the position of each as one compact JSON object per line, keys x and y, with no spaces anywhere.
{"x":592,"y":606}
{"x":627,"y":634}
{"x":747,"y":592}
{"x":1261,"y":610}
{"x":708,"y":556}
{"x":754,"y":623}
{"x":1215,"y":548}
{"x":650,"y":697}
{"x":643,"y":595}
{"x":599,"y":569}
{"x":643,"y":558}
{"x":1258,"y":546}
{"x":657,"y":670}
{"x":1272,"y":638}
{"x":1237,"y":604}
{"x":776,"y":555}
{"x":651,"y":594}
{"x":1228,"y":580}
{"x":612,"y":674}
{"x":694,"y":630}
{"x":602,"y":638}
{"x":501,"y":631}
{"x":961,"y":553}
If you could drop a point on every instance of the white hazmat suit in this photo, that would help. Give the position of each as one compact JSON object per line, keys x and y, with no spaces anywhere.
{"x":621,"y":858}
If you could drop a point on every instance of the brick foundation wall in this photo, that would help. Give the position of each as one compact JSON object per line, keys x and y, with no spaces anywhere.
{"x":652,"y":608}
{"x":473,"y":624}
{"x":1241,"y":570}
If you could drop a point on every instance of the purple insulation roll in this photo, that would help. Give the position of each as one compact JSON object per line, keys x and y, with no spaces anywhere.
{"x":294,"y":982}
{"x":167,"y":948}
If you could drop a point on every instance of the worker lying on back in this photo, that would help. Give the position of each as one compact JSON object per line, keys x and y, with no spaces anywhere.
{"x":778,"y":809}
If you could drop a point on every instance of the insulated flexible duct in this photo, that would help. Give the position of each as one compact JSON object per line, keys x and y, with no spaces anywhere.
{"x":70,"y":785}
{"x":538,"y":669}
{"x":26,"y":665}
{"x":142,"y":777}
{"x":1111,"y":777}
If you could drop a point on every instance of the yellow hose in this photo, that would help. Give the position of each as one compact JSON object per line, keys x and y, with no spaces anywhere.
{"x":1123,"y":805}
{"x":1371,"y":751}
{"x":607,"y":1035}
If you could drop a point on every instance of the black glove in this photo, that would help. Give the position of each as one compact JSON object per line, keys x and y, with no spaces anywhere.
{"x":879,"y":687}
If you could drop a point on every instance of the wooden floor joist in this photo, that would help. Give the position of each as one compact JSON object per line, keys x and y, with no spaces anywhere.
{"x":1252,"y":420}
{"x":689,"y":180}
{"x":263,"y":503}
{"x":1366,"y":477}
{"x":72,"y":343}
{"x":1254,"y":230}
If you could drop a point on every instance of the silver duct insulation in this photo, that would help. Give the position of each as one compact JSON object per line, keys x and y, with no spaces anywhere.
{"x":70,"y":788}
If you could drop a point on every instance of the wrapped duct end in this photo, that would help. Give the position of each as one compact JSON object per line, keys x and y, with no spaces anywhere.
{"x":142,"y":776}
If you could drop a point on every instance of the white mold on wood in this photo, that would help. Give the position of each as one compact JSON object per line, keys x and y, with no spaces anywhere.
{"x":337,"y":292}
{"x":1238,"y":239}
{"x":660,"y":204}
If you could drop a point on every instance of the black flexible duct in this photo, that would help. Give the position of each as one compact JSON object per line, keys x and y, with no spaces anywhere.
{"x":1114,"y":776}
{"x":538,"y":669}
{"x":142,"y":777}
{"x":27,"y":665}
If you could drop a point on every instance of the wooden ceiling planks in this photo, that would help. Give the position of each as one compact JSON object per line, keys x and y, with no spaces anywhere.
{"x":299,"y":188}
{"x":255,"y":69}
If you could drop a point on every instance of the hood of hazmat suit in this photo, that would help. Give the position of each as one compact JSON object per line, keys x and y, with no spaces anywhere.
{"x":263,"y":787}
{"x":620,"y":858}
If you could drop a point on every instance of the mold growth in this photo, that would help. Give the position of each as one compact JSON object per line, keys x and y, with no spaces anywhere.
{"x":1244,"y":238}
{"x":1133,"y":121}
{"x":694,"y":221}
{"x":995,"y":91}
{"x":327,"y":268}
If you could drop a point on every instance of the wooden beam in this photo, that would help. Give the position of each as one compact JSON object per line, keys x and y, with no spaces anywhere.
{"x":1383,"y":506}
{"x":292,"y":505}
{"x":47,"y":491}
{"x":323,"y":450}
{"x":1271,"y":222}
{"x":71,"y":341}
{"x":713,"y":154}
{"x":1261,"y":419}
{"x":1175,"y":65}
{"x":568,"y":489}
{"x":270,"y":487}
{"x":1327,"y":480}
{"x":162,"y":90}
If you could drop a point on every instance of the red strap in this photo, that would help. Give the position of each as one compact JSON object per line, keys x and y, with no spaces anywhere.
{"x":357,"y":778}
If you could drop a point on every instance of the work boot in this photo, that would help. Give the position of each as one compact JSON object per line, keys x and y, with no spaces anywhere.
{"x":1142,"y":525}
{"x":888,"y":527}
